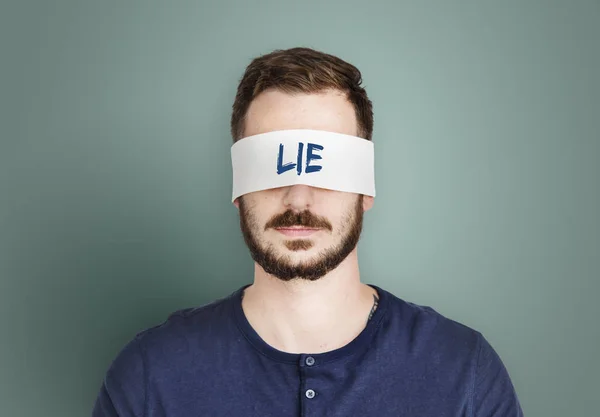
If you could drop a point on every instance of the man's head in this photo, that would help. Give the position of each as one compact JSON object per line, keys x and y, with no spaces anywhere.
{"x":301,"y":231}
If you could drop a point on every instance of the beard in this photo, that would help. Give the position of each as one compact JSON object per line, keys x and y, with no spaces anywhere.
{"x":282,"y":266}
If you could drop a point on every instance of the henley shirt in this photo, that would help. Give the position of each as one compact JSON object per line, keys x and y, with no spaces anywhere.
{"x":409,"y":360}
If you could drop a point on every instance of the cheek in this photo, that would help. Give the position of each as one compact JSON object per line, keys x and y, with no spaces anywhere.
{"x":339,"y":223}
{"x":250,"y":215}
{"x":261,"y":217}
{"x":348,"y":216}
{"x":258,"y":223}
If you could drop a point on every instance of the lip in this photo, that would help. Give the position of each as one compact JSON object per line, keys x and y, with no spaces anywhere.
{"x":297,"y":231}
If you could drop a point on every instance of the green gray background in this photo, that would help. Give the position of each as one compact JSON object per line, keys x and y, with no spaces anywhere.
{"x":115,"y":176}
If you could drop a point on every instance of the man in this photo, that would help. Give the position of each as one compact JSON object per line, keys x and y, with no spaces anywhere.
{"x":307,"y":337}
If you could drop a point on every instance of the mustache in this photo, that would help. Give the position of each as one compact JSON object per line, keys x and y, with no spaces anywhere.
{"x":304,"y":218}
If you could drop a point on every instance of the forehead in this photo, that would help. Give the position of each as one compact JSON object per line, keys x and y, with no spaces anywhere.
{"x":276,"y":110}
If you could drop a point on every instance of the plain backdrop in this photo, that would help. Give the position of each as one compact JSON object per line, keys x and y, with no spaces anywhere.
{"x":115,"y":176}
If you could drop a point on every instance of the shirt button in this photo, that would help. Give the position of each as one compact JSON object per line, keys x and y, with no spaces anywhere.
{"x":310,"y":361}
{"x":310,"y":393}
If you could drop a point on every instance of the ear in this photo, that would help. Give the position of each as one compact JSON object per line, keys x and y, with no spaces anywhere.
{"x":236,"y":203}
{"x":368,"y":202}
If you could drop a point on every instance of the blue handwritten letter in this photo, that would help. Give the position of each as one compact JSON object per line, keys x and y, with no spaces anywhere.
{"x":299,"y":163}
{"x":310,"y":156}
{"x":283,"y":168}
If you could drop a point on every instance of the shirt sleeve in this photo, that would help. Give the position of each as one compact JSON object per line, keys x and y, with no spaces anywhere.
{"x":493,"y":393}
{"x":122,"y":393}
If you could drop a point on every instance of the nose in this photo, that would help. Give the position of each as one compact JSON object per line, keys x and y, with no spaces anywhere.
{"x":298,"y":197}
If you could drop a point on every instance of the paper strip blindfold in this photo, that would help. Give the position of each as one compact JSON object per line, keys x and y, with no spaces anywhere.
{"x":312,"y":157}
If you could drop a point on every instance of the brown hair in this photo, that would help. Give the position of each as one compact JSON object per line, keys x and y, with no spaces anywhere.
{"x":301,"y":70}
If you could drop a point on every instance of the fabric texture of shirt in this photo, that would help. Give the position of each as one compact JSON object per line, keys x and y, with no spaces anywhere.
{"x":409,"y":360}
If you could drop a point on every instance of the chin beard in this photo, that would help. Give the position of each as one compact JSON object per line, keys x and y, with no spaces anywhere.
{"x":282,"y":267}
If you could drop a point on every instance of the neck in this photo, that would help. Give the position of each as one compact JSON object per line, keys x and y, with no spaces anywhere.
{"x":309,"y":316}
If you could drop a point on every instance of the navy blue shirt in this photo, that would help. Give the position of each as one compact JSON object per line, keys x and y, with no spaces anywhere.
{"x":208,"y":361}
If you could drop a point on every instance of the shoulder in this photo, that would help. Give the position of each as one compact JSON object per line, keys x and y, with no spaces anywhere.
{"x":424,"y":335}
{"x":160,"y":350}
{"x":188,"y":326}
{"x":455,"y":349}
{"x":423,"y":322}
{"x":179,"y":338}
